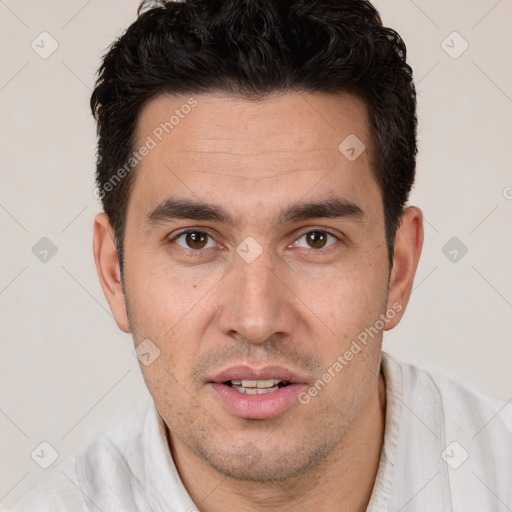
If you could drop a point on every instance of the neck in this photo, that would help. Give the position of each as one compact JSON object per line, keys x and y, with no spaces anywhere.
{"x":346,"y":475}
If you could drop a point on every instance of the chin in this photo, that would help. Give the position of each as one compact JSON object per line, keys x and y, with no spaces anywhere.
{"x":249,"y":463}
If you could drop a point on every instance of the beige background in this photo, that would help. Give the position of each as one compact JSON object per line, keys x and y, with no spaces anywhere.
{"x":67,"y":372}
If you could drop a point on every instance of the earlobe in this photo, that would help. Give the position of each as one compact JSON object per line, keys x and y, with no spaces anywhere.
{"x":108,"y":268}
{"x":407,"y":251}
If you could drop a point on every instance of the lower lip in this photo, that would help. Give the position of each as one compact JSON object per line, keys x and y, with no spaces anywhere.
{"x":257,"y":407}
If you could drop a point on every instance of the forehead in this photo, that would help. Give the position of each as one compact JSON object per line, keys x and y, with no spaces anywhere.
{"x":291,"y":121}
{"x":282,"y":146}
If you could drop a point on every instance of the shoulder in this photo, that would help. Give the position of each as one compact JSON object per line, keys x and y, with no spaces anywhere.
{"x":460,"y":437}
{"x":77,"y":483}
{"x":58,"y":492}
{"x":460,"y":406}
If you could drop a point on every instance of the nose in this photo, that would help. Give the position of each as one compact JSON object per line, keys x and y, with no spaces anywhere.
{"x":257,"y":302}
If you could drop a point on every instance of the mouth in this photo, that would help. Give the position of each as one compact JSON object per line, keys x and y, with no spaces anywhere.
{"x":262,"y":393}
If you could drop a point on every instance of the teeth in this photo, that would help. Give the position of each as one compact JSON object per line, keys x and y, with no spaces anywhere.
{"x":261,"y":384}
{"x":255,"y":387}
{"x":255,"y":391}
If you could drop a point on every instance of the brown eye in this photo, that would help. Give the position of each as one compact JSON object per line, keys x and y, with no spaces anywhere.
{"x":316,"y":239}
{"x":195,"y":240}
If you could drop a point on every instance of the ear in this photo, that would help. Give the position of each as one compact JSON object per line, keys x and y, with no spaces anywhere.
{"x":408,"y":244}
{"x":108,"y":268}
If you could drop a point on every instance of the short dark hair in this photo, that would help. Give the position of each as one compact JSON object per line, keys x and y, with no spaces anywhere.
{"x":253,"y":48}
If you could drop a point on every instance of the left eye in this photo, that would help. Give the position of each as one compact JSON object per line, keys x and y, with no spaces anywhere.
{"x":195,"y":240}
{"x":316,"y":240}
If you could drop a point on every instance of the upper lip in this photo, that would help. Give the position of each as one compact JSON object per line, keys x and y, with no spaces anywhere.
{"x":245,"y":372}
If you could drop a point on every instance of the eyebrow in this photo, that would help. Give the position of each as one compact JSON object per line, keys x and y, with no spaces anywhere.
{"x":173,"y":209}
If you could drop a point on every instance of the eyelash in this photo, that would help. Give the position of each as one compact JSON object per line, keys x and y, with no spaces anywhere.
{"x":197,"y":253}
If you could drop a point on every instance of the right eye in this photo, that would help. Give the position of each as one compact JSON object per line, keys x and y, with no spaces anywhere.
{"x":194,"y":240}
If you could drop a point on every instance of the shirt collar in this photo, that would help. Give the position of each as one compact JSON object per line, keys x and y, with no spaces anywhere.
{"x":166,"y":492}
{"x":381,"y":494}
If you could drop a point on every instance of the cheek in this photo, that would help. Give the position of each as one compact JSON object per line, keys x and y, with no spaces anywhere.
{"x":165,"y":294}
{"x":345,"y":298}
{"x":168,"y":308}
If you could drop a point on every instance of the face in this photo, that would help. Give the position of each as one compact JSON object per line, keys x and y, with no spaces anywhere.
{"x":255,"y":257}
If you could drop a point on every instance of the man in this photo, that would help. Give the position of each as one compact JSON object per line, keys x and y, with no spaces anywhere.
{"x":254,"y":163}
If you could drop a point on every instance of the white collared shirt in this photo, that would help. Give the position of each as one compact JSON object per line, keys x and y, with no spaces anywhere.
{"x":445,"y":448}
